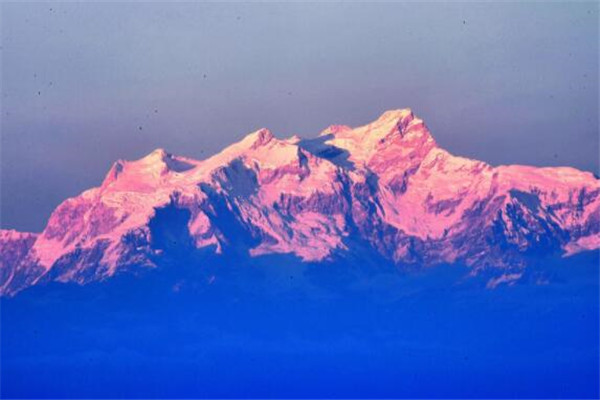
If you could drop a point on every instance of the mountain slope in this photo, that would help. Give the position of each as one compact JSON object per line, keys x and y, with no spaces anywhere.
{"x":385,"y":188}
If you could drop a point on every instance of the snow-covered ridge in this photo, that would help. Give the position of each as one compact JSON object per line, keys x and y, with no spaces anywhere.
{"x":386,"y":187}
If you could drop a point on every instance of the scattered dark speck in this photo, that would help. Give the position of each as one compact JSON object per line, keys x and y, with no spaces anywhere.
{"x":39,"y":93}
{"x":139,"y":128}
{"x":238,"y":18}
{"x":464,"y":22}
{"x":204,"y":76}
{"x":555,"y":155}
{"x":155,"y":111}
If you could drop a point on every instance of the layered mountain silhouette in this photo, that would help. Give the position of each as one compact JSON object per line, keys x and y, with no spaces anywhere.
{"x":384,"y":190}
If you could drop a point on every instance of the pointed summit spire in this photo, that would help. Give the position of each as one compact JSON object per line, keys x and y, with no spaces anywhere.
{"x":258,"y":138}
{"x":395,"y":121}
{"x":397,"y":114}
{"x":157,"y":155}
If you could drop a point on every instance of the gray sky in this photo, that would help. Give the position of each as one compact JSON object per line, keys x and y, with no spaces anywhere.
{"x":504,"y":83}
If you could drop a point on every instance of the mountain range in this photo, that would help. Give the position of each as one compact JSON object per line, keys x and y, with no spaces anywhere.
{"x":383,"y":191}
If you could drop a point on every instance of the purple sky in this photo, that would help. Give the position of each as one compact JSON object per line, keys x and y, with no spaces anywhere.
{"x":505,"y":83}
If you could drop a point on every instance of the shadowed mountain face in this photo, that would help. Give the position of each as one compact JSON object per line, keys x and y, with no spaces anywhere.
{"x":384,"y":191}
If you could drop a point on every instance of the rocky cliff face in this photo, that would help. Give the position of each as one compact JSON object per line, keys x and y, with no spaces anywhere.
{"x":385,"y":188}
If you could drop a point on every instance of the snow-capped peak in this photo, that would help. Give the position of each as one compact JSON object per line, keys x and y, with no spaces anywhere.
{"x":397,"y":115}
{"x":147,"y":172}
{"x":256,"y":139}
{"x":395,"y":122}
{"x":335,"y":129}
{"x":394,"y":136}
{"x":385,"y":185}
{"x":157,"y":155}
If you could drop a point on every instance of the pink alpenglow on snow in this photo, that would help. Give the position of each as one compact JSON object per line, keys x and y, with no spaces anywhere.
{"x":385,"y":187}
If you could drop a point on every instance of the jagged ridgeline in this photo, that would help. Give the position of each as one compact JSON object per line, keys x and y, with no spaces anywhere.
{"x":383,"y":194}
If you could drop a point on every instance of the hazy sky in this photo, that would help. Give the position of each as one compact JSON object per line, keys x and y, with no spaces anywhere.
{"x":505,"y":83}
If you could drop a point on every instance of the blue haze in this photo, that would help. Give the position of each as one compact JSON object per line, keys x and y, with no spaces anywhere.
{"x":276,"y":329}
